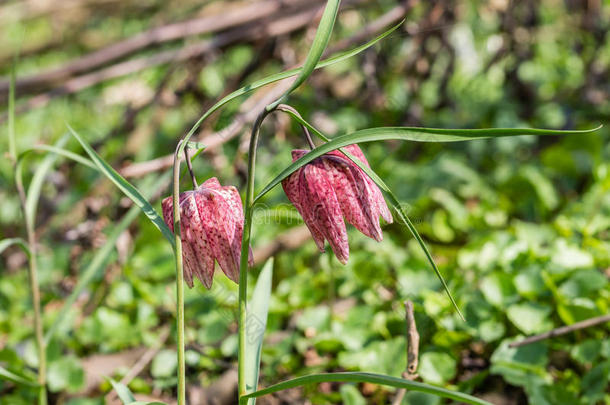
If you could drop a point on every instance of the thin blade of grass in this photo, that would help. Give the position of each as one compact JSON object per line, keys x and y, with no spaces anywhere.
{"x":127,"y":188}
{"x":17,"y":379}
{"x":33,"y":194}
{"x":6,"y":243}
{"x":123,"y":392}
{"x":59,"y":151}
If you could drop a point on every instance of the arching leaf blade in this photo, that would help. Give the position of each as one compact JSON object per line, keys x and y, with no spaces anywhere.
{"x":126,"y":187}
{"x":356,"y":377}
{"x":410,"y":134}
{"x":341,"y":56}
{"x":320,"y":41}
{"x":6,"y":243}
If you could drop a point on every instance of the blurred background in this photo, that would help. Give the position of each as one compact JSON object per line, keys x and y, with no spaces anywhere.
{"x":519,"y":227}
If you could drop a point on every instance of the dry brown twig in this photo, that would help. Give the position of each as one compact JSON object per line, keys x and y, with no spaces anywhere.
{"x":410,"y":372}
{"x":587,"y":323}
{"x":250,"y":13}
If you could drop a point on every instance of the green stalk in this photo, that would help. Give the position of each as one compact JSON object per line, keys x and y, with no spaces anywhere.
{"x":243,"y":263}
{"x":179,"y":281}
{"x":31,"y":236}
{"x":35,"y":290}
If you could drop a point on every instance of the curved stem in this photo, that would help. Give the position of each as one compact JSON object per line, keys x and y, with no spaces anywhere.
{"x":245,"y":244}
{"x":35,"y":290}
{"x":294,"y":112}
{"x":179,"y":278}
{"x":189,"y":165}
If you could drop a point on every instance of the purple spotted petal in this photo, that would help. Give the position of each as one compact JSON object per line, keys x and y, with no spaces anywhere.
{"x":196,"y":255}
{"x":212,"y":224}
{"x":322,"y":208}
{"x":354,"y":196}
{"x":219,"y":225}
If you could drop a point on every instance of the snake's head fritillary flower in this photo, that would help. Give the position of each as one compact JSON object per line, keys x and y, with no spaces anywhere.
{"x":212,"y":221}
{"x":331,"y":188}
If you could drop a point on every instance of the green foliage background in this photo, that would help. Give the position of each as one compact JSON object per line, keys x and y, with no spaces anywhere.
{"x":519,"y":227}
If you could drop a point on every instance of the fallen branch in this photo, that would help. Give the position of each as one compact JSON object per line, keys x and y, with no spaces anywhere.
{"x":251,"y":13}
{"x":587,"y":323}
{"x":287,"y":24}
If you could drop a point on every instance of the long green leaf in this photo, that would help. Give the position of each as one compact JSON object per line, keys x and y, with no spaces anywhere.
{"x":96,"y":265}
{"x":17,"y":379}
{"x":320,"y":41}
{"x":256,"y":323}
{"x":123,"y":392}
{"x":5,"y":243}
{"x":368,"y":378}
{"x":147,"y":403}
{"x":404,"y":219}
{"x":284,"y":75}
{"x":409,"y":134}
{"x":127,"y":188}
{"x":33,"y":194}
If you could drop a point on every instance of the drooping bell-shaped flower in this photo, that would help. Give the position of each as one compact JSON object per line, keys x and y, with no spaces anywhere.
{"x":212,"y":221}
{"x":331,"y":188}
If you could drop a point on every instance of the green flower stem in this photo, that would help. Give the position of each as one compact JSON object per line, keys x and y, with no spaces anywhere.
{"x":245,"y":244}
{"x":179,"y":280}
{"x":31,"y":236}
{"x":35,"y":291}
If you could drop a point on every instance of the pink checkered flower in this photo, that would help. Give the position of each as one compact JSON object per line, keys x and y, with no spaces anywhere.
{"x":212,"y":221}
{"x":332,"y":188}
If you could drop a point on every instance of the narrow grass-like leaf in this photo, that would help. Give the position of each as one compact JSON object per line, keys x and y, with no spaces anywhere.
{"x":127,"y":188}
{"x":59,"y":151}
{"x":96,"y":265}
{"x":6,"y":243}
{"x":256,"y":323}
{"x":12,"y":144}
{"x":123,"y":392}
{"x":320,"y":41}
{"x":33,"y":194}
{"x":147,"y":403}
{"x":17,"y":379}
{"x":409,"y":134}
{"x":366,"y":378}
{"x":404,"y":219}
{"x":341,"y":56}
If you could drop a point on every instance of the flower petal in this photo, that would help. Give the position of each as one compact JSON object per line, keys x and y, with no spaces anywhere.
{"x":220,"y":226}
{"x":321,"y":207}
{"x":196,"y":254}
{"x":292,"y":189}
{"x":354,"y":195}
{"x":381,"y":208}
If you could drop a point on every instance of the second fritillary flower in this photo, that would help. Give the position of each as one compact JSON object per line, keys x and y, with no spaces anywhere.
{"x":331,"y":188}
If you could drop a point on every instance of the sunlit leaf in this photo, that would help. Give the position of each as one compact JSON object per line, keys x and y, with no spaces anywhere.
{"x":365,"y":378}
